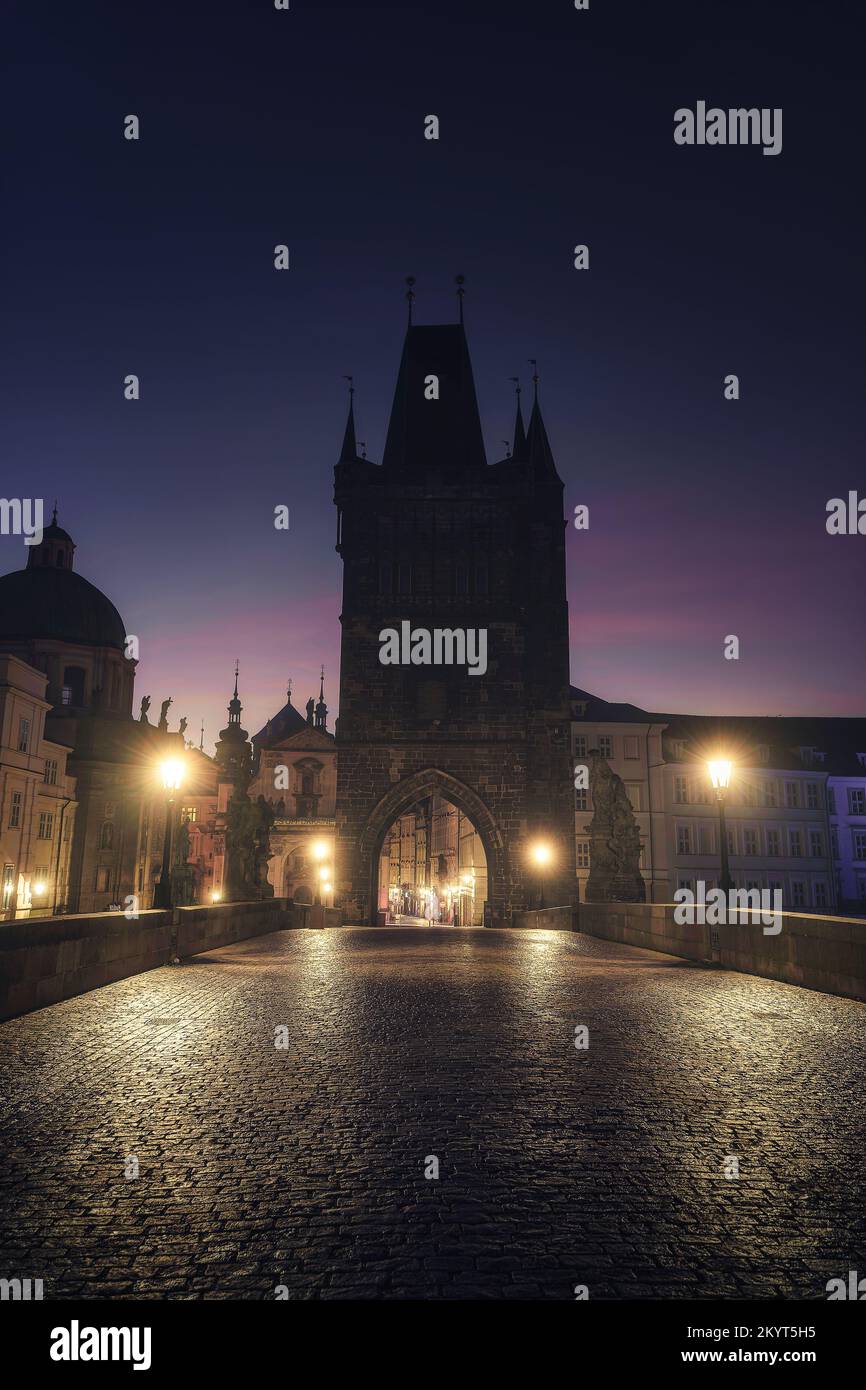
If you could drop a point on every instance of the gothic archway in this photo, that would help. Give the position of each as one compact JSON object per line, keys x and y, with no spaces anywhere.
{"x":404,"y":795}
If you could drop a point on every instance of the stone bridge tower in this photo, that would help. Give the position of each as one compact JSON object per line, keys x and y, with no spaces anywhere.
{"x":437,"y":537}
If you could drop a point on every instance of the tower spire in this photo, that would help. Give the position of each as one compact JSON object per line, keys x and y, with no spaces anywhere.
{"x":349,"y":450}
{"x":321,"y":707}
{"x":519,"y":431}
{"x":460,"y":280}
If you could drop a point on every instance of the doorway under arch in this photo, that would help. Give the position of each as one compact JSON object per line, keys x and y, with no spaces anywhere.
{"x":451,"y":812}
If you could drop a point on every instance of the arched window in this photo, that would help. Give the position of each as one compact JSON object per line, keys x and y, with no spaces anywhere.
{"x":308,"y":784}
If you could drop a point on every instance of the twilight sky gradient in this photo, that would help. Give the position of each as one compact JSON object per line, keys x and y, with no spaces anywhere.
{"x":306,"y":127}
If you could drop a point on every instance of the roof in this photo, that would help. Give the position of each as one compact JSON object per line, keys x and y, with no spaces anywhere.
{"x":286,"y":722}
{"x":839,"y":739}
{"x":442,"y":434}
{"x":56,"y":603}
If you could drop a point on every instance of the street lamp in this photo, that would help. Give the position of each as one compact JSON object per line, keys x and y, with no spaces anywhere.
{"x":541,"y":854}
{"x":171,"y":773}
{"x":720,"y":776}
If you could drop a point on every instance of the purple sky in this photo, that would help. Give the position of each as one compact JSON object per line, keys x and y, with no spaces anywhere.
{"x":707,"y":517}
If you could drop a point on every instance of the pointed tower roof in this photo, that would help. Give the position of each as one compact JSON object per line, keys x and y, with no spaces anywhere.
{"x":349,"y":451}
{"x":519,"y":449}
{"x":442,"y":435}
{"x":538,"y":451}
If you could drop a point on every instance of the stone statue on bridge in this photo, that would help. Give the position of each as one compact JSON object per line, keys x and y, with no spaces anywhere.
{"x":247,"y":849}
{"x":614,"y":849}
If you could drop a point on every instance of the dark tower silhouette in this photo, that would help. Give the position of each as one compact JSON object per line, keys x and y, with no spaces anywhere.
{"x":437,"y":536}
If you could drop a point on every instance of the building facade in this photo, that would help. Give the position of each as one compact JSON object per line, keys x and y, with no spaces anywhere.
{"x":438,"y":540}
{"x":795,"y":812}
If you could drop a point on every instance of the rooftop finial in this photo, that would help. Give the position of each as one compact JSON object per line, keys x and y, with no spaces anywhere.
{"x":517,"y":387}
{"x":54,"y":514}
{"x":534,"y":375}
{"x":201,"y":740}
{"x":460,"y":280}
{"x":322,"y":685}
{"x":237,"y":669}
{"x":351,"y":381}
{"x":289,"y":689}
{"x":410,"y":295}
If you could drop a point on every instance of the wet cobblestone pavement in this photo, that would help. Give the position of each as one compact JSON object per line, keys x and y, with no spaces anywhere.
{"x":305,"y":1167}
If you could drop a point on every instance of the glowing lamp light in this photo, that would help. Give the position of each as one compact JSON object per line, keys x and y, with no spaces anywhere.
{"x":541,"y":853}
{"x":324,"y":874}
{"x":326,"y":887}
{"x":720,"y":770}
{"x":172,"y":774}
{"x":215,"y":896}
{"x":319,"y":849}
{"x":40,"y":888}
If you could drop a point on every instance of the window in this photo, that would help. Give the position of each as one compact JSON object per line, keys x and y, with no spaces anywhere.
{"x":732,"y":842}
{"x":189,"y":814}
{"x":774,"y":844}
{"x":816,"y":844}
{"x":750,"y":841}
{"x":583,"y":854}
{"x":686,"y":883}
{"x":8,"y":883}
{"x":106,"y":835}
{"x":581,"y":799}
{"x":684,"y":839}
{"x":770,"y":797}
{"x":631,"y":748}
{"x":861,"y":889}
{"x":580,"y":745}
{"x":678,"y":748}
{"x":812,"y":796}
{"x":605,"y":745}
{"x":15,"y":811}
{"x":831,"y":801}
{"x":860,"y":844}
{"x":632,"y":791}
{"x":819,"y":894}
{"x":834,"y":841}
{"x":857,"y":801}
{"x":792,"y":795}
{"x":750,"y":794}
{"x":51,"y":771}
{"x":796,"y":841}
{"x":23,"y":735}
{"x":73,"y":681}
{"x":681,"y":790}
{"x":798,"y":893}
{"x":763,"y":753}
{"x":705,"y":839}
{"x":46,"y":825}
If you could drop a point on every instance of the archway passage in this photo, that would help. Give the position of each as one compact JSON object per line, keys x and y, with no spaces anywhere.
{"x":432,"y":867}
{"x":360,"y":843}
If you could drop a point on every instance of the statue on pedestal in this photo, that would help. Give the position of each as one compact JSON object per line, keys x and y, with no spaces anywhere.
{"x":145,"y":706}
{"x":614,"y":850}
{"x":163,"y":715}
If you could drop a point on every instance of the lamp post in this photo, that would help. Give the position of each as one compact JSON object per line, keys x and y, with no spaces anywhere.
{"x":720,"y":776}
{"x":319,"y":851}
{"x":541,"y":854}
{"x":172,"y":776}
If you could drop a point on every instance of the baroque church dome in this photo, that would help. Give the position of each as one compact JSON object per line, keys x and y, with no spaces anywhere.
{"x":49,"y":600}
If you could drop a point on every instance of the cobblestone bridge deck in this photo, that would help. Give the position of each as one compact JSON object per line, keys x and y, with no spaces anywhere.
{"x":304,"y":1167}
